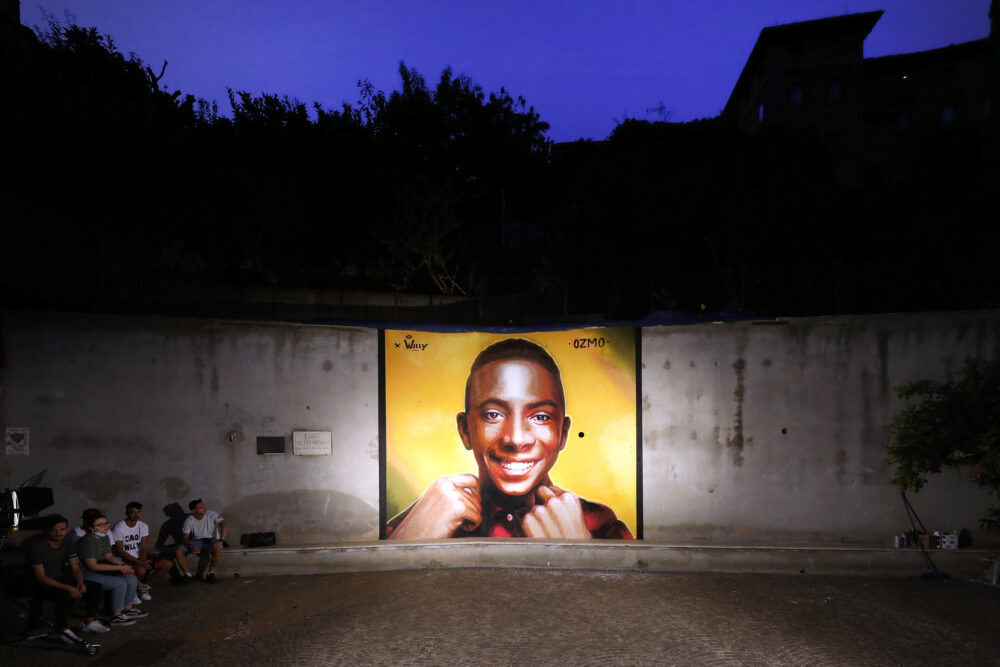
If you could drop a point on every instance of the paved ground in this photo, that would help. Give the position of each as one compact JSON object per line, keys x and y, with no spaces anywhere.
{"x":551,"y":617}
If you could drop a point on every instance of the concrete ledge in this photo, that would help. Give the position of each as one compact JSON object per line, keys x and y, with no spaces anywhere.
{"x":599,"y":555}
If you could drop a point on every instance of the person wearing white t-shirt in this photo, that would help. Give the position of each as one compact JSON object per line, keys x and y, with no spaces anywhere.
{"x":129,"y":539}
{"x":203,"y":529}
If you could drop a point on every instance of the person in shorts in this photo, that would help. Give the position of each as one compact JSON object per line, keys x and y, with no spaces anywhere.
{"x":204,"y":530}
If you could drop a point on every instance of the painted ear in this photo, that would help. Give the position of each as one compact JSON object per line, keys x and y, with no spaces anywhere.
{"x":462,"y":421}
{"x":565,"y":432}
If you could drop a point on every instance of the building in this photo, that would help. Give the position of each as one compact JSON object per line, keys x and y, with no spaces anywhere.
{"x":871,"y":112}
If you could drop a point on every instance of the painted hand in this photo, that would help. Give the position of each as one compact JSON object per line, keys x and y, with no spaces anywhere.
{"x":449,"y":503}
{"x":560,"y":516}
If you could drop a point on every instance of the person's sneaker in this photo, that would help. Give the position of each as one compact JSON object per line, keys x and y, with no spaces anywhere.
{"x":135,"y":613}
{"x":145,"y":595}
{"x":136,"y":600}
{"x":121,"y":620}
{"x":142,"y":588}
{"x":95,"y":626}
{"x":210,"y":578}
{"x":69,"y":637}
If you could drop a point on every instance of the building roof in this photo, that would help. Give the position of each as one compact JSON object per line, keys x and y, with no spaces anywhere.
{"x":861,"y":23}
{"x":931,"y":56}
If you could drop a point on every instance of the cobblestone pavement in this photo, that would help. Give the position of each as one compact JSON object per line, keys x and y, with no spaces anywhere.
{"x":550,"y":617}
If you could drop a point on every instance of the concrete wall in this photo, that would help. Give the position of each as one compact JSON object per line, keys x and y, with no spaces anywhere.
{"x":122,"y":409}
{"x":777,"y":431}
{"x":771,"y":432}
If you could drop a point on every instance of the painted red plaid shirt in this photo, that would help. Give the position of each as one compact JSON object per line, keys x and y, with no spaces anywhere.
{"x":500,"y":522}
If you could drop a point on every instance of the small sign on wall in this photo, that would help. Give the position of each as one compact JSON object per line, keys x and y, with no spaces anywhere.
{"x":312,"y":443}
{"x":270,"y":444}
{"x":16,"y":441}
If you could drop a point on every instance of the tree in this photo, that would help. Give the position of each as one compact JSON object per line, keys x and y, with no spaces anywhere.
{"x":954,"y":424}
{"x":449,"y":160}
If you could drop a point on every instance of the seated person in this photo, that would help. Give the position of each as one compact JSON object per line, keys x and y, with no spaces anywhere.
{"x":73,"y":535}
{"x":515,"y":424}
{"x":199,"y":532}
{"x":111,"y":572}
{"x":57,"y":577}
{"x":129,"y":538}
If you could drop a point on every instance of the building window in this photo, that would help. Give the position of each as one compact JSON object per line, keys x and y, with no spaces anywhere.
{"x":947,"y":114}
{"x":834,"y":90}
{"x":903,"y":122}
{"x":796,"y":95}
{"x":760,"y":112}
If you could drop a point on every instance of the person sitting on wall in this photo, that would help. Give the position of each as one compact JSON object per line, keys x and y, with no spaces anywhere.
{"x":203,"y":529}
{"x":109,"y":571}
{"x":57,"y":577}
{"x":130,"y":537}
{"x":515,"y":424}
{"x":73,"y":535}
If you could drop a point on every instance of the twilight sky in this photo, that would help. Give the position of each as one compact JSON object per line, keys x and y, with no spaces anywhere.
{"x":582,"y":64}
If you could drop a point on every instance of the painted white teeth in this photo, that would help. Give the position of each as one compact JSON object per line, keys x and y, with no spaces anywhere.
{"x":517,"y":467}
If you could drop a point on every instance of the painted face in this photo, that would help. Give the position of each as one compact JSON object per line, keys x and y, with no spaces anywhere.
{"x":516,"y":424}
{"x":57,"y":532}
{"x":199,"y":511}
{"x":133,"y":514}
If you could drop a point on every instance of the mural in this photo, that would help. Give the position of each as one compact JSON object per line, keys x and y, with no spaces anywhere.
{"x":511,"y":435}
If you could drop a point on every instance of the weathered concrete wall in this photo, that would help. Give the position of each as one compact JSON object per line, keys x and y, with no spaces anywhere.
{"x":777,"y":431}
{"x":771,"y":433}
{"x":125,"y":408}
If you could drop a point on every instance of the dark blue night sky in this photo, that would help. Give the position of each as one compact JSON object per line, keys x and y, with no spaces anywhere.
{"x":581,"y":64}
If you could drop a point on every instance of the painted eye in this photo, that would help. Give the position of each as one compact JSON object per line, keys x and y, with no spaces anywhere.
{"x":492,"y":415}
{"x":541,"y":418}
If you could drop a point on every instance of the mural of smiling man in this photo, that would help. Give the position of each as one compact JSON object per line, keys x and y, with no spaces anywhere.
{"x":515,"y":424}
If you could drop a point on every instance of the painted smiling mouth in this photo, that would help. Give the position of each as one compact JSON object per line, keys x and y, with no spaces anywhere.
{"x":515,"y":467}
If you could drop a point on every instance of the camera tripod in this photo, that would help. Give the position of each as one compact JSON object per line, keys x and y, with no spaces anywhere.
{"x":87,"y":647}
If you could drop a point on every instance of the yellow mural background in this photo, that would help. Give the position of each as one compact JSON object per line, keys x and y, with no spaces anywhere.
{"x":425,"y":390}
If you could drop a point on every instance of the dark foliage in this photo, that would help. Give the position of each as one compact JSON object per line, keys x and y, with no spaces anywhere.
{"x":123,"y":190}
{"x":953,"y":424}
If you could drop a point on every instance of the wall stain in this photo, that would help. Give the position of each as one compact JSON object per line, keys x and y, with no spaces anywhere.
{"x":199,"y":368}
{"x":215,"y":379}
{"x":327,"y":365}
{"x":841,"y":460}
{"x":883,"y":360}
{"x":88,"y":443}
{"x":176,"y":487}
{"x":736,"y":441}
{"x":364,"y":367}
{"x":666,"y":365}
{"x":103,"y":486}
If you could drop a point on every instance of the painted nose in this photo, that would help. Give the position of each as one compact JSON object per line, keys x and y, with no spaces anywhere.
{"x":519,"y":437}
